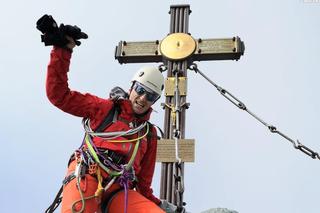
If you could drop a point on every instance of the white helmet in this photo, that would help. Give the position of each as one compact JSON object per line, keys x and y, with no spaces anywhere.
{"x":150,"y":77}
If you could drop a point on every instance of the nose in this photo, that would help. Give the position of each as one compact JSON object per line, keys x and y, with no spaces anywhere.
{"x":143,"y":97}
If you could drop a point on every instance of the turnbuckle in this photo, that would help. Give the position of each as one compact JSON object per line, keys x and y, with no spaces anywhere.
{"x":306,"y":150}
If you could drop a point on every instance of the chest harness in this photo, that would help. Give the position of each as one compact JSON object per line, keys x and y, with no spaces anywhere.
{"x":91,"y":160}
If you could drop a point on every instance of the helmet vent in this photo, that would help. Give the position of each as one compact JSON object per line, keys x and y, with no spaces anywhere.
{"x":141,"y":74}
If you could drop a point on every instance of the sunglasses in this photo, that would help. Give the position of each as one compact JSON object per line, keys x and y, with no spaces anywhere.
{"x":141,"y":90}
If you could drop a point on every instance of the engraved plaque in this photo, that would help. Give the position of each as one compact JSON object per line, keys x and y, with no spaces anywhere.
{"x":217,"y":46}
{"x":140,"y":48}
{"x":138,"y":52}
{"x":219,"y":49}
{"x":166,"y":150}
{"x":170,"y":86}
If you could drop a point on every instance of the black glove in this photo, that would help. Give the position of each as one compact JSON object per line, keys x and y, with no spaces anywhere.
{"x":50,"y":32}
{"x":54,"y":35}
{"x":74,"y":32}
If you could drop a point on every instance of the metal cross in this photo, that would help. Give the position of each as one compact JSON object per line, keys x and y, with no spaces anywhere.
{"x":177,"y":52}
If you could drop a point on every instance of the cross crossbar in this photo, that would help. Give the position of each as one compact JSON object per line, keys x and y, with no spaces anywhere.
{"x":206,"y":49}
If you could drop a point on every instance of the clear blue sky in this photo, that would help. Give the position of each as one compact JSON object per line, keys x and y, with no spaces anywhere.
{"x":239,"y":164}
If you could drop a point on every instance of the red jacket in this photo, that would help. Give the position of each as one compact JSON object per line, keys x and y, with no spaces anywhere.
{"x":95,"y":108}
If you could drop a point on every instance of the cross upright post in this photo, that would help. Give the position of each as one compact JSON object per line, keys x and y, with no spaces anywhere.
{"x":177,"y":52}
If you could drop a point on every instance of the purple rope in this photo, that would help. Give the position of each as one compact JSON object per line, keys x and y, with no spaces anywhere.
{"x":110,"y":164}
{"x":123,"y":179}
{"x":124,"y":182}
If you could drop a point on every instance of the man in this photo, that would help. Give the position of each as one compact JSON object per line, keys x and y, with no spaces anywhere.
{"x":114,"y":166}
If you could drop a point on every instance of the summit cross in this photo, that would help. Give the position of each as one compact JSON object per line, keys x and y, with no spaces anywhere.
{"x":177,"y":51}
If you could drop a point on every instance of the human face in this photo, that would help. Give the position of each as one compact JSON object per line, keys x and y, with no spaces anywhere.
{"x":141,"y":98}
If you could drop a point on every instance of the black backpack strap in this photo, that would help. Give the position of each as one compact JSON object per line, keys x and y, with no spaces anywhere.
{"x":110,"y":118}
{"x":160,"y":130}
{"x":150,"y":134}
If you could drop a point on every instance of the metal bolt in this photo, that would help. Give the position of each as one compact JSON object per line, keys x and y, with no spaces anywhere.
{"x":123,"y":53}
{"x":178,"y":178}
{"x":157,"y":41}
{"x":199,"y":51}
{"x":234,"y":39}
{"x":124,"y":43}
{"x":156,"y":52}
{"x":199,"y":40}
{"x":187,"y":105}
{"x":234,"y":49}
{"x":163,"y":105}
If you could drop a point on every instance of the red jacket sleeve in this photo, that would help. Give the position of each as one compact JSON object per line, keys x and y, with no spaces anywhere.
{"x":57,"y":88}
{"x":147,"y":169}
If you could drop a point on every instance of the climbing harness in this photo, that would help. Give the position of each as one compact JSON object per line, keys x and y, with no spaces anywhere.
{"x":124,"y":172}
{"x":94,"y":152}
{"x":296,"y":144}
{"x":79,"y":174}
{"x":91,"y":160}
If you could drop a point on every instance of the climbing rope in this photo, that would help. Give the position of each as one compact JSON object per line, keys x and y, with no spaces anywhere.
{"x":175,"y":117}
{"x":91,"y":156}
{"x":95,"y":152}
{"x":78,"y":176}
{"x":110,"y":135}
{"x":296,"y":144}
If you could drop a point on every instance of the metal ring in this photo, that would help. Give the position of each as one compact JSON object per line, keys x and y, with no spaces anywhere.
{"x":162,"y":68}
{"x":193,"y":67}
